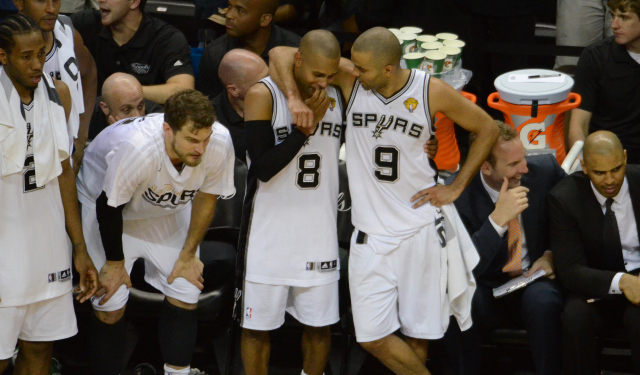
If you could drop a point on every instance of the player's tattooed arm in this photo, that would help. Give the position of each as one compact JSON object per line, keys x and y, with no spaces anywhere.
{"x":188,"y":265}
{"x":88,"y":274}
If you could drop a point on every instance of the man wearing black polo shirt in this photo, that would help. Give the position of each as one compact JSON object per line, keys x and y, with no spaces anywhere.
{"x":608,"y":79}
{"x":249,"y":26}
{"x":239,"y":70}
{"x":122,"y":38}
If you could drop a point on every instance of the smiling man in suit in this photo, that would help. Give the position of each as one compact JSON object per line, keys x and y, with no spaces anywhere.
{"x":504,"y":211}
{"x":594,"y":238}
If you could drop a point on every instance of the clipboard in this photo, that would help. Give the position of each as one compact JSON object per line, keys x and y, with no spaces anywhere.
{"x":516,"y":283}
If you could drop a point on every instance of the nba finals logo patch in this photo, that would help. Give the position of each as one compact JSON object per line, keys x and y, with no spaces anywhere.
{"x":411,"y":104}
{"x":248,"y":313}
{"x":332,"y":103}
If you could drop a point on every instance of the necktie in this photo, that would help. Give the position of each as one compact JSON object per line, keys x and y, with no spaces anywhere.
{"x":611,"y":239}
{"x":514,"y":242}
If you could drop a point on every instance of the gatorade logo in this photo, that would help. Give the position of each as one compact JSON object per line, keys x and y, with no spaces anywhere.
{"x":532,"y":135}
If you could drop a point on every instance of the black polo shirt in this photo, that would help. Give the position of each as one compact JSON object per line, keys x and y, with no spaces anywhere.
{"x":155,"y":53}
{"x":608,"y":80}
{"x":208,"y":82}
{"x":228,"y":117}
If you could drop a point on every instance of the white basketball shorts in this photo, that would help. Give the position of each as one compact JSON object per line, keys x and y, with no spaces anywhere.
{"x":397,"y":290}
{"x":157,"y":240}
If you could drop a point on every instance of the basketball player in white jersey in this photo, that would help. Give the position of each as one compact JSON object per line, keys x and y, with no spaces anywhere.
{"x":148,"y":188}
{"x":38,"y":195}
{"x":70,"y":61}
{"x":289,"y":236}
{"x":394,"y":265}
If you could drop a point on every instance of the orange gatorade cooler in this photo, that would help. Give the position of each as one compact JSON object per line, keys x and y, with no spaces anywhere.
{"x":534,"y":102}
{"x":448,"y":155}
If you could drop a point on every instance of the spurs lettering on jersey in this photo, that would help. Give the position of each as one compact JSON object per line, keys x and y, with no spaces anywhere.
{"x":167,"y":196}
{"x":387,"y":162}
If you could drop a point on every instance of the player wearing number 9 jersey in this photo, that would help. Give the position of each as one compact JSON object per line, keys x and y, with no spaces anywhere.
{"x":394,"y":264}
{"x":289,"y":224}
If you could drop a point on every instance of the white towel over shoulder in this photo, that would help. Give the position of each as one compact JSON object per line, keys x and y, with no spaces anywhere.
{"x":50,"y":138}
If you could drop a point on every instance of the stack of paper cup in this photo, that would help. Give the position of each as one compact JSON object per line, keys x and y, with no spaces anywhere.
{"x":408,"y":42}
{"x":410,"y":30}
{"x":434,"y":61}
{"x":452,"y":58}
{"x":424,"y":47}
{"x":446,"y":36}
{"x":426,"y":39}
{"x":414,"y":60}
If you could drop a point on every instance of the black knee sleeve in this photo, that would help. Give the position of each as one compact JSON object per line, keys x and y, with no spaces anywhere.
{"x":177,"y":331}
{"x":106,"y":347}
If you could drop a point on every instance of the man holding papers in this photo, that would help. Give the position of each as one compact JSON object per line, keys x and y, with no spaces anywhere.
{"x":594,"y":237}
{"x":504,"y":210}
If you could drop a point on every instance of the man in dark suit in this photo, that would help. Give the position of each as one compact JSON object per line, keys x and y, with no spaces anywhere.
{"x":504,"y":211}
{"x":594,"y":238}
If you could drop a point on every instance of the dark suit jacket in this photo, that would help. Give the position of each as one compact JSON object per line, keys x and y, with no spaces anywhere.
{"x":474,"y":206}
{"x":576,"y":234}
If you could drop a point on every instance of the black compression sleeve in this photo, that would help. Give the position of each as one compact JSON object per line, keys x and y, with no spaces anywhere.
{"x":110,"y":224}
{"x":267,"y":158}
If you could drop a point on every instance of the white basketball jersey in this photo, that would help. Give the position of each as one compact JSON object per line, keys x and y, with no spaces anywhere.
{"x":35,"y":256}
{"x":292,"y":233}
{"x":386,"y":162}
{"x":129,"y":162}
{"x":51,"y":63}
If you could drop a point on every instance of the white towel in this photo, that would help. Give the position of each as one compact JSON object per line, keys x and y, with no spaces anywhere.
{"x":50,"y":139}
{"x":70,"y":74}
{"x":458,"y":259}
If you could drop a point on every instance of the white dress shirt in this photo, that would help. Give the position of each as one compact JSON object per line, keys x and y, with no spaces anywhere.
{"x":493,"y":194}
{"x":623,"y":210}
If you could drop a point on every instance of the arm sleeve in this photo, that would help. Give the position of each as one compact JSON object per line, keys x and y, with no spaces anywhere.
{"x":586,"y":80}
{"x":221,"y":162}
{"x":127,"y":168}
{"x":615,"y":284}
{"x":267,"y":158}
{"x":110,"y":226}
{"x":175,"y":55}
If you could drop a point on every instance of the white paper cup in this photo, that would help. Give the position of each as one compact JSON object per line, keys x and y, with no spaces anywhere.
{"x":454,"y":43}
{"x":395,"y":31}
{"x":414,"y":60}
{"x":408,"y":42}
{"x":424,"y":47}
{"x":453,"y":56}
{"x":434,"y":61}
{"x":410,"y":30}
{"x":446,"y":36}
{"x":426,"y":39}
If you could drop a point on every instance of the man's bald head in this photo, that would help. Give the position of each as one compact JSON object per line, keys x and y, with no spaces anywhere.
{"x":122,"y":97}
{"x":319,"y":43}
{"x":242,"y":69}
{"x":381,"y":43}
{"x":603,"y":143}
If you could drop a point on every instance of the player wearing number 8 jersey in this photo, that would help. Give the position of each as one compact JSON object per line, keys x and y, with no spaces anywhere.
{"x":289,"y":226}
{"x":395,"y":257}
